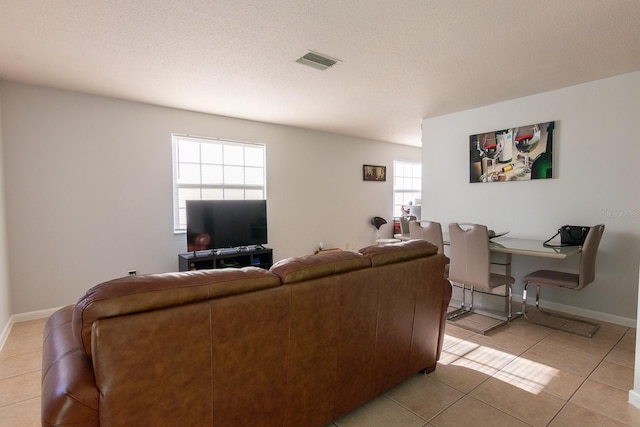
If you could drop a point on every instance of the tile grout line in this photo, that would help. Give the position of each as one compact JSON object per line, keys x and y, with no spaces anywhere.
{"x":20,"y":401}
{"x":468,"y":394}
{"x":566,"y":401}
{"x":602,"y":360}
{"x":586,"y":379}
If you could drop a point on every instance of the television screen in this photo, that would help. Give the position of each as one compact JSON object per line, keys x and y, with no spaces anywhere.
{"x":217,"y":224}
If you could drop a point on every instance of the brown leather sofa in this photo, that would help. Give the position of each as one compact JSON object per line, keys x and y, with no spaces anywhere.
{"x":299,"y":345}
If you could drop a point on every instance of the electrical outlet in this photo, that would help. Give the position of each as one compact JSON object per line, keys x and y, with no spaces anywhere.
{"x":132,"y":272}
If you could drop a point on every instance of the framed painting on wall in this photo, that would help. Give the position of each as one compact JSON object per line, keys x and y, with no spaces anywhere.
{"x":520,"y":153}
{"x":374,"y":173}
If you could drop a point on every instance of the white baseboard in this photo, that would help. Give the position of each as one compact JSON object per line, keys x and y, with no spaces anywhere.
{"x":5,"y":333}
{"x":23,"y":317}
{"x":32,"y":315}
{"x":569,"y":309}
{"x":634,"y":398}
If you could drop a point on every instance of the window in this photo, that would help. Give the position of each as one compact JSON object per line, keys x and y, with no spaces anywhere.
{"x":407,"y":185}
{"x":215,"y":169}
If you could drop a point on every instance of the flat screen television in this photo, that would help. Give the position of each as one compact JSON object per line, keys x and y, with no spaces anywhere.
{"x":218,"y":224}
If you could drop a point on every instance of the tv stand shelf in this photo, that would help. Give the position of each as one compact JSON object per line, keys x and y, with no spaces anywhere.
{"x":204,"y":260}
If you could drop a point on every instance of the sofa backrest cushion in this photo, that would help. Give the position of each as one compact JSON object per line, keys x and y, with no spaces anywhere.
{"x":398,"y":252}
{"x":134,"y":294}
{"x":308,"y":267}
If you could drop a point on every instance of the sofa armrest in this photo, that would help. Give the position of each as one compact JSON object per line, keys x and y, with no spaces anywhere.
{"x":69,"y":393}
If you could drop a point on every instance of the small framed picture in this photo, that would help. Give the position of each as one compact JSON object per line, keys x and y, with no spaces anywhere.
{"x":374,"y":173}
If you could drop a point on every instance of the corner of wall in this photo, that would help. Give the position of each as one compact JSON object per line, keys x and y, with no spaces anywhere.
{"x":634,"y":395}
{"x":5,"y":306}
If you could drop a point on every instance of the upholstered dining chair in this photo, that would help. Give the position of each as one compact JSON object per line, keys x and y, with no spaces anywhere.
{"x":470,"y":265}
{"x":430,"y":231}
{"x":576,"y":281}
{"x":404,"y":224}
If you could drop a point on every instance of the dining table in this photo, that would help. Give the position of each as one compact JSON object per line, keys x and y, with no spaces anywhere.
{"x":525,"y":246}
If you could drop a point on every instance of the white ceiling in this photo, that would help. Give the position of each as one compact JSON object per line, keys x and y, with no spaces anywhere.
{"x":401,"y":61}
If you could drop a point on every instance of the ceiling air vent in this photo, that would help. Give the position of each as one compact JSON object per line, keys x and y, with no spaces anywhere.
{"x":316,"y":60}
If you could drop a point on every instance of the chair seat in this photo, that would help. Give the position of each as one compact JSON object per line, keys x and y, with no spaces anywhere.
{"x":500,"y":279}
{"x":553,"y":278}
{"x":495,"y":281}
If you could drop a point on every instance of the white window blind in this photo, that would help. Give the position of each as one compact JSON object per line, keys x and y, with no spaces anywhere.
{"x":407,"y":185}
{"x":215,"y":169}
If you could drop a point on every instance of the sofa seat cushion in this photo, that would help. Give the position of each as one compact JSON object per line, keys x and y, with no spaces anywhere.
{"x":309,"y":267}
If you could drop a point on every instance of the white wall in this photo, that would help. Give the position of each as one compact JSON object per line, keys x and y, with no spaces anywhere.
{"x":89,"y":189}
{"x":596,"y":155}
{"x":5,"y":308}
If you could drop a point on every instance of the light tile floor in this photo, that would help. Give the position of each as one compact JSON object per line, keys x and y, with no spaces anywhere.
{"x":518,"y":375}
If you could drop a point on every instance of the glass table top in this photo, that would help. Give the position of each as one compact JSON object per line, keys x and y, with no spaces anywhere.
{"x":531,"y":247}
{"x":515,"y":245}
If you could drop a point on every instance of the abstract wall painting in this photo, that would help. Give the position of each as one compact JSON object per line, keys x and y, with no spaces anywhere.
{"x":519,"y":153}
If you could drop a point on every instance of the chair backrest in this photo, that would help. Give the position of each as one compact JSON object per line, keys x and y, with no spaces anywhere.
{"x":404,"y":224}
{"x":469,"y":253}
{"x":588,"y":257}
{"x":430,"y":231}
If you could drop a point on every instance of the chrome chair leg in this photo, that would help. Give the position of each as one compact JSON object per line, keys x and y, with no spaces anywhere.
{"x":510,"y":303}
{"x":462,"y":310}
{"x":588,"y":334}
{"x":464,"y":296}
{"x":468,"y":310}
{"x":510,"y":315}
{"x":524,"y":302}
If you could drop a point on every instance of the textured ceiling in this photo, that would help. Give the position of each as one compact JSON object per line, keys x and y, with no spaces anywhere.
{"x":401,"y":61}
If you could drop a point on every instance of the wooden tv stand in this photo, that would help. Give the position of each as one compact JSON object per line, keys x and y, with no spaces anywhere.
{"x":203,"y":260}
